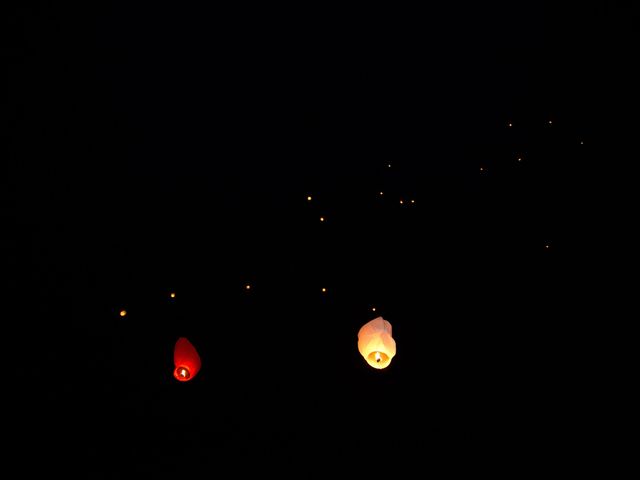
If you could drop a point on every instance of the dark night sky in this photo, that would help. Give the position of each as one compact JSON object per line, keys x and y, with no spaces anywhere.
{"x":166,"y":148}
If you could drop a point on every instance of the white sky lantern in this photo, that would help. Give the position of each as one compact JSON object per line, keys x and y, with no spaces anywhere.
{"x":376,"y":344}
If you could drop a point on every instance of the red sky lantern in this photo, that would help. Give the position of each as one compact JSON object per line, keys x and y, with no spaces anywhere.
{"x":186,"y":360}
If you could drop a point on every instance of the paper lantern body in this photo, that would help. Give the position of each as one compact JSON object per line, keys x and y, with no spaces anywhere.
{"x":186,"y":360}
{"x":376,"y":344}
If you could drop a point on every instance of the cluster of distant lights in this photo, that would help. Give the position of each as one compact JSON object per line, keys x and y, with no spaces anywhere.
{"x":549,"y":122}
{"x":401,"y":201}
{"x":324,"y":290}
{"x":519,"y":158}
{"x":248,"y":287}
{"x":172,"y":295}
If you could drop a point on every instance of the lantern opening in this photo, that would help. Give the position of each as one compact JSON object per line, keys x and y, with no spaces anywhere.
{"x":378,"y":359}
{"x":182,"y":374}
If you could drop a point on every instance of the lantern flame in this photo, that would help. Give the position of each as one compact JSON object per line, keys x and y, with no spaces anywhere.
{"x":183,"y":373}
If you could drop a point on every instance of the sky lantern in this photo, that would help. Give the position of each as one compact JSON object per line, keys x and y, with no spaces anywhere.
{"x":376,"y":344}
{"x":186,"y":360}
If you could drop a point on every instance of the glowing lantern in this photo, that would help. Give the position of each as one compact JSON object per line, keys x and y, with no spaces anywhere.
{"x":376,"y":344}
{"x":186,"y":360}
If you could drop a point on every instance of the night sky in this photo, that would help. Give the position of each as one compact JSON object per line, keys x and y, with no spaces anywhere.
{"x":290,"y":174}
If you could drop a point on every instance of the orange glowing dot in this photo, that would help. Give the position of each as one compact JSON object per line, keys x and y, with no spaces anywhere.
{"x":401,"y":202}
{"x":413,"y":201}
{"x":309,"y":198}
{"x":322,"y":219}
{"x":172,"y":295}
{"x":123,"y":313}
{"x":510,"y":124}
{"x":381,"y":193}
{"x":247,"y":287}
{"x":519,"y":159}
{"x":324,"y":290}
{"x":373,"y":309}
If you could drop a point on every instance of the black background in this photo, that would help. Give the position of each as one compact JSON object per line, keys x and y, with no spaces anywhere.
{"x":161,"y":147}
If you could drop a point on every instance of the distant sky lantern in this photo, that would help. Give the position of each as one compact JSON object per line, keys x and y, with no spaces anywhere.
{"x":376,"y":344}
{"x":186,"y":360}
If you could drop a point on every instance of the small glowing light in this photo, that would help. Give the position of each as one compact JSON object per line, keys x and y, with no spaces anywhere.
{"x":309,"y":198}
{"x":378,"y":357}
{"x":324,"y":290}
{"x":550,"y":122}
{"x":547,"y":246}
{"x":482,"y":169}
{"x":322,"y":219}
{"x":373,"y":309}
{"x":183,"y":373}
{"x":581,"y":143}
{"x":519,"y":159}
{"x":247,"y":287}
{"x":413,"y":201}
{"x":381,"y":193}
{"x":172,"y":295}
{"x":510,"y":124}
{"x":389,"y":165}
{"x":123,"y":313}
{"x":401,"y":202}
